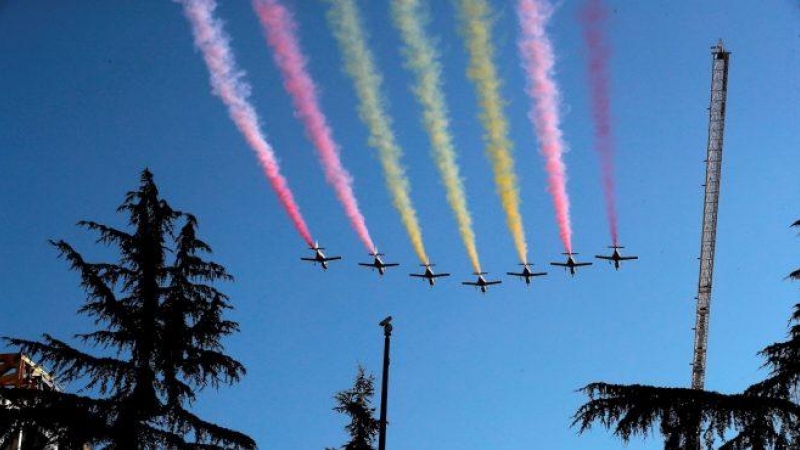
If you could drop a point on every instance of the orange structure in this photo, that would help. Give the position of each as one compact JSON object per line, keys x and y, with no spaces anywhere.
{"x":17,"y":370}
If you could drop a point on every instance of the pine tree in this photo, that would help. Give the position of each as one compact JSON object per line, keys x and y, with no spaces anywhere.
{"x":765,"y":416}
{"x":161,"y":319}
{"x":357,"y":404}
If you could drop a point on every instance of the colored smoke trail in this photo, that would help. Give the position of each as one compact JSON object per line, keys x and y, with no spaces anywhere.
{"x":360,"y":66}
{"x":537,"y":56}
{"x":593,"y":18}
{"x":227,"y":82}
{"x":421,"y":56}
{"x":279,"y":28}
{"x":476,"y":24}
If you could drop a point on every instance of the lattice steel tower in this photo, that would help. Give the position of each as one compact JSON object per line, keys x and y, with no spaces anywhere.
{"x":716,"y":129}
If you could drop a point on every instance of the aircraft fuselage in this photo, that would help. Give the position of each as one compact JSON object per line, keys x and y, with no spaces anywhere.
{"x":378,"y":264}
{"x":571,"y":265}
{"x":429,"y":276}
{"x":321,"y":259}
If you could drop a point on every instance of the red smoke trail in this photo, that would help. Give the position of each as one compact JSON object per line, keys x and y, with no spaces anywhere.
{"x":593,"y":17}
{"x":279,"y":27}
{"x":226,"y":80}
{"x":537,"y":55}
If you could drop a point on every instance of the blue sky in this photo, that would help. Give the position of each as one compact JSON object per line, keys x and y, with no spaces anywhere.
{"x":92,"y":93}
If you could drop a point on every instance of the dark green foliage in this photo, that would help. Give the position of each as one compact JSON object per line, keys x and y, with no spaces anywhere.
{"x":69,"y":420}
{"x":635,"y":410}
{"x":765,"y":416}
{"x":160,"y":323}
{"x":356,"y":403}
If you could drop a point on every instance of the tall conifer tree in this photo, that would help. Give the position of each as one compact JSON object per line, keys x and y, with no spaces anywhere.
{"x":160,"y":320}
{"x":356,"y":403}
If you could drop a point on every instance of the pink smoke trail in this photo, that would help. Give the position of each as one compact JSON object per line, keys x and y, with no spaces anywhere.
{"x":227,"y":82}
{"x":279,"y":28}
{"x":593,"y":18}
{"x":537,"y":56}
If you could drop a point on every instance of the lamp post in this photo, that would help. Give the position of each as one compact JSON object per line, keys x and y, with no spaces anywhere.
{"x":387,"y":333}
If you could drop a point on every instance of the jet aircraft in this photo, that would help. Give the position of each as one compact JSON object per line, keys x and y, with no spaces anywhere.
{"x":378,"y":263}
{"x":570,"y":264}
{"x":429,"y":275}
{"x":526,"y":273}
{"x":616,"y":257}
{"x":481,"y":282}
{"x":320,"y":257}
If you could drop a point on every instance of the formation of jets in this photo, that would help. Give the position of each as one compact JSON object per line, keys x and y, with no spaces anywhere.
{"x":525,"y":274}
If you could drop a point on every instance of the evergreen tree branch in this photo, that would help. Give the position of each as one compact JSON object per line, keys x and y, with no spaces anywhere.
{"x":207,"y":433}
{"x":65,"y":417}
{"x":635,"y":410}
{"x":109,"y":235}
{"x":70,"y":364}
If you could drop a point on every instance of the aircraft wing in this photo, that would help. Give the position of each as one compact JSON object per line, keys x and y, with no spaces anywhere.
{"x":559,"y":264}
{"x":604,"y":257}
{"x":582,"y":264}
{"x":309,"y":259}
{"x":437,"y":275}
{"x":391,"y":265}
{"x":333,"y":258}
{"x":626,"y":258}
{"x":489,"y":283}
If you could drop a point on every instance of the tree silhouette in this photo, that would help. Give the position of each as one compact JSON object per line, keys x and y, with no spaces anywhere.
{"x":160,"y":320}
{"x":765,"y":416}
{"x":357,"y":404}
{"x":46,"y":418}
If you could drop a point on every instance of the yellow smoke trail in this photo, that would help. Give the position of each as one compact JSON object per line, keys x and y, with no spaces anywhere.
{"x":422,"y":58}
{"x":477,"y":29}
{"x":345,"y":21}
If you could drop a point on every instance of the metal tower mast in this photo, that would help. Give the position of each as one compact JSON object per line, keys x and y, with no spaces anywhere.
{"x":716,"y":129}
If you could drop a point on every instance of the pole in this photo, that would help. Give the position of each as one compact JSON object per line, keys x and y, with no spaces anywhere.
{"x":387,"y":336}
{"x":708,"y":239}
{"x":716,"y":128}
